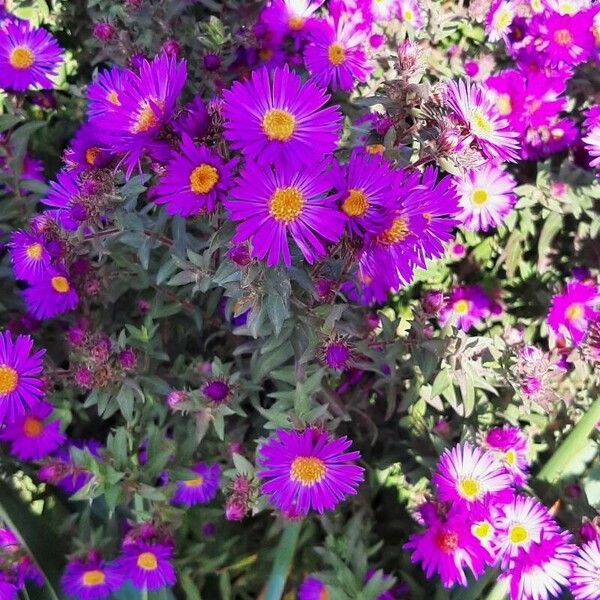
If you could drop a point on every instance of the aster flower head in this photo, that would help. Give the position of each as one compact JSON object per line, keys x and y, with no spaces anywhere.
{"x":290,"y":17}
{"x":200,"y":489}
{"x":469,"y":477}
{"x":85,"y":151}
{"x":572,"y":311}
{"x":592,"y":145}
{"x":29,"y":255}
{"x":474,"y":108}
{"x":147,"y":566}
{"x":486,"y":197}
{"x":336,"y":353}
{"x":21,"y":385}
{"x":308,"y":470}
{"x":276,"y":116}
{"x":32,"y":436}
{"x":447,"y":547}
{"x":51,"y":295}
{"x":90,"y":579}
{"x":584,"y":581}
{"x":62,"y":198}
{"x":499,"y":20}
{"x":104,"y":94}
{"x":217,"y":391}
{"x":509,"y":445}
{"x":336,"y":58}
{"x":312,"y":589}
{"x":469,"y":305}
{"x":410,"y":13}
{"x":196,"y":178}
{"x":273,"y":203}
{"x":28,"y":56}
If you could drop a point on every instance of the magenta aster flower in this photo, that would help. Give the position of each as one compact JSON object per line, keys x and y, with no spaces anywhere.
{"x":499,"y":19}
{"x":592,"y":145}
{"x":104,"y":94}
{"x":217,"y":391}
{"x":193,"y":119}
{"x":28,"y":56}
{"x":573,"y":310}
{"x":277,"y":117}
{"x":29,"y":256}
{"x":474,"y":107}
{"x":290,"y":17}
{"x":312,"y":589}
{"x":509,"y":445}
{"x":90,"y":580}
{"x":148,"y":566}
{"x":584,"y":580}
{"x":20,"y":382}
{"x":366,"y":185}
{"x":469,"y":477}
{"x":200,"y":489}
{"x":447,"y":547}
{"x":336,"y":58}
{"x":62,"y":199}
{"x":337,"y":354}
{"x":307,"y":470}
{"x":7,"y":590}
{"x":51,"y":295}
{"x":32,"y":436}
{"x":469,"y":305}
{"x":410,"y":13}
{"x":272,"y":202}
{"x":485,"y":196}
{"x":86,"y":151}
{"x":196,"y":178}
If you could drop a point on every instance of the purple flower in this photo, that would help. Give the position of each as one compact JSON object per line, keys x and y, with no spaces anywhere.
{"x":509,"y":445}
{"x":307,"y":470}
{"x":217,"y":391}
{"x":85,"y":151}
{"x":20,"y":381}
{"x":193,"y":120}
{"x":63,"y":199}
{"x":584,"y":581}
{"x":28,"y":56}
{"x":29,"y":255}
{"x":272,"y":202}
{"x":148,"y":566}
{"x":196,"y":178}
{"x":312,"y":589}
{"x":290,"y":17}
{"x":104,"y":94}
{"x":51,"y":295}
{"x":499,"y":20}
{"x":275,"y":116}
{"x":469,"y":305}
{"x":32,"y":436}
{"x":201,"y":489}
{"x":91,"y":579}
{"x":592,"y":145}
{"x":337,"y":354}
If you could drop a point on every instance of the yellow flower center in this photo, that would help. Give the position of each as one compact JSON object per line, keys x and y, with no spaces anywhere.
{"x":480,"y":124}
{"x":278,"y":124}
{"x":479,"y":196}
{"x":408,"y":15}
{"x":504,"y":104}
{"x":113,"y":98}
{"x":21,"y":57}
{"x":91,"y":155}
{"x":308,"y":470}
{"x":194,"y":483}
{"x":502,"y":19}
{"x":356,"y":204}
{"x":574,"y":312}
{"x":510,"y":458}
{"x":563,"y":37}
{"x":295,"y":23}
{"x":34,"y":251}
{"x":60,"y":284}
{"x":336,"y":54}
{"x":146,"y":118}
{"x":375,"y":148}
{"x":396,"y":233}
{"x":147,"y":561}
{"x":537,"y":6}
{"x":567,"y":8}
{"x":32,"y":427}
{"x":265,"y":54}
{"x":9,"y":379}
{"x":462,"y":307}
{"x":92,"y":578}
{"x":468,"y":489}
{"x":286,"y":204}
{"x":518,"y":534}
{"x":482,"y":530}
{"x":203,"y":179}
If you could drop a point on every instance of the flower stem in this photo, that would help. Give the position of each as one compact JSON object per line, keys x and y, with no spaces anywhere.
{"x":498,"y":592}
{"x":574,"y":443}
{"x":283,"y":560}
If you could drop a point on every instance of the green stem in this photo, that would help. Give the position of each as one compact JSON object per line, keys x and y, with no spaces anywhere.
{"x":498,"y":592}
{"x":283,"y":560}
{"x":574,"y":443}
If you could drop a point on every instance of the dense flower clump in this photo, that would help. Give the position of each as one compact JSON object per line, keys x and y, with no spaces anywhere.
{"x":327,"y":268}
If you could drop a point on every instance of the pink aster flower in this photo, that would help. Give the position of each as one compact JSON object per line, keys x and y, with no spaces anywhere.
{"x":86,"y":151}
{"x":592,"y":145}
{"x":104,"y":94}
{"x":509,"y":445}
{"x":286,"y":199}
{"x":199,"y":489}
{"x":29,"y":255}
{"x":573,"y":310}
{"x":196,"y":178}
{"x":584,"y":581}
{"x":307,"y":470}
{"x":290,"y":17}
{"x":62,"y":198}
{"x":469,"y":305}
{"x":20,"y":376}
{"x":499,"y":19}
{"x":32,"y":436}
{"x":474,"y":107}
{"x":448,"y":548}
{"x":469,"y":477}
{"x":411,"y":14}
{"x":336,"y":58}
{"x":51,"y":295}
{"x":90,"y":579}
{"x":276,"y":116}
{"x":485,"y":196}
{"x":147,"y":566}
{"x":28,"y":56}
